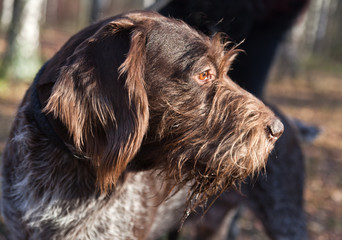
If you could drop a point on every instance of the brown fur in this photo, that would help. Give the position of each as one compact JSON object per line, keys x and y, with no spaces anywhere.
{"x":124,"y":97}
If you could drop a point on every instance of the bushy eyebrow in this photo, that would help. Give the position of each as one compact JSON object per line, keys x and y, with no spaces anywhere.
{"x":204,"y":64}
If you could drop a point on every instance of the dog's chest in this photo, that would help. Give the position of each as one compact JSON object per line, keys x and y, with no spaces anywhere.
{"x":142,"y":208}
{"x":137,"y":211}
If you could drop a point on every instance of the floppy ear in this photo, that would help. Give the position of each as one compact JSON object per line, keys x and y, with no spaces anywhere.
{"x":100,"y":98}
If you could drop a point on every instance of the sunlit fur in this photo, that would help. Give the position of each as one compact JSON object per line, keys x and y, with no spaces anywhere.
{"x":216,"y":139}
{"x":143,"y":142}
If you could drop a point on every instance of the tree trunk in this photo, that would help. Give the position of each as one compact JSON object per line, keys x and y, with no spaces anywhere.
{"x":94,"y":10}
{"x":148,"y":3}
{"x":22,"y":57}
{"x":6,"y":14}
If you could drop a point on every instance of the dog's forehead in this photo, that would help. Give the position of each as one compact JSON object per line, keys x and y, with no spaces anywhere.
{"x":174,"y":36}
{"x":173,"y":43}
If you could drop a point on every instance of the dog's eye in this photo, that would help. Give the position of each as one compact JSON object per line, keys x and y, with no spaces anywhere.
{"x":205,"y":77}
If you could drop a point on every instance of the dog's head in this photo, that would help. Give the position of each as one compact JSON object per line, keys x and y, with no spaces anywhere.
{"x":144,"y":83}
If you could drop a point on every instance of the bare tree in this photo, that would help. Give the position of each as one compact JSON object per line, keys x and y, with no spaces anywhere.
{"x":22,"y":57}
{"x":96,"y":8}
{"x":6,"y":14}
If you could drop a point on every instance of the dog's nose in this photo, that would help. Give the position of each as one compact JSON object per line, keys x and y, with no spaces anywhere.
{"x":276,"y":128}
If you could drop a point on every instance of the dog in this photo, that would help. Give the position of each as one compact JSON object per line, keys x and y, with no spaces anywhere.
{"x":134,"y":122}
{"x":275,"y":197}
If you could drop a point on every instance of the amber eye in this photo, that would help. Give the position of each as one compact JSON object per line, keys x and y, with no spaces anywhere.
{"x":205,"y":77}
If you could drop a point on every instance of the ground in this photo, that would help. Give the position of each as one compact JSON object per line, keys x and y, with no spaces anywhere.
{"x":314,"y":97}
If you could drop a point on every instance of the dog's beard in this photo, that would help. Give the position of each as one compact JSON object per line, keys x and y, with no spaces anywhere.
{"x":211,"y":176}
{"x":219,"y":141}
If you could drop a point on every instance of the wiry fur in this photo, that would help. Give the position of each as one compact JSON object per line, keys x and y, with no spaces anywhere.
{"x":143,"y":140}
{"x":276,"y":198}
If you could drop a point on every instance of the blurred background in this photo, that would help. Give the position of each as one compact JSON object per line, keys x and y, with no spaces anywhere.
{"x":305,"y":83}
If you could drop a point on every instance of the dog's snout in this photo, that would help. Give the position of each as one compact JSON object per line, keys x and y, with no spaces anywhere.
{"x":275,"y":128}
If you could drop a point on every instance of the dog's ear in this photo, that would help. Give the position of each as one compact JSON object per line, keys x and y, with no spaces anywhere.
{"x":100,"y":97}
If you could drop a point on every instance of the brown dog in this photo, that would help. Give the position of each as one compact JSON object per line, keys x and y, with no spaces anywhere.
{"x":132,"y":123}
